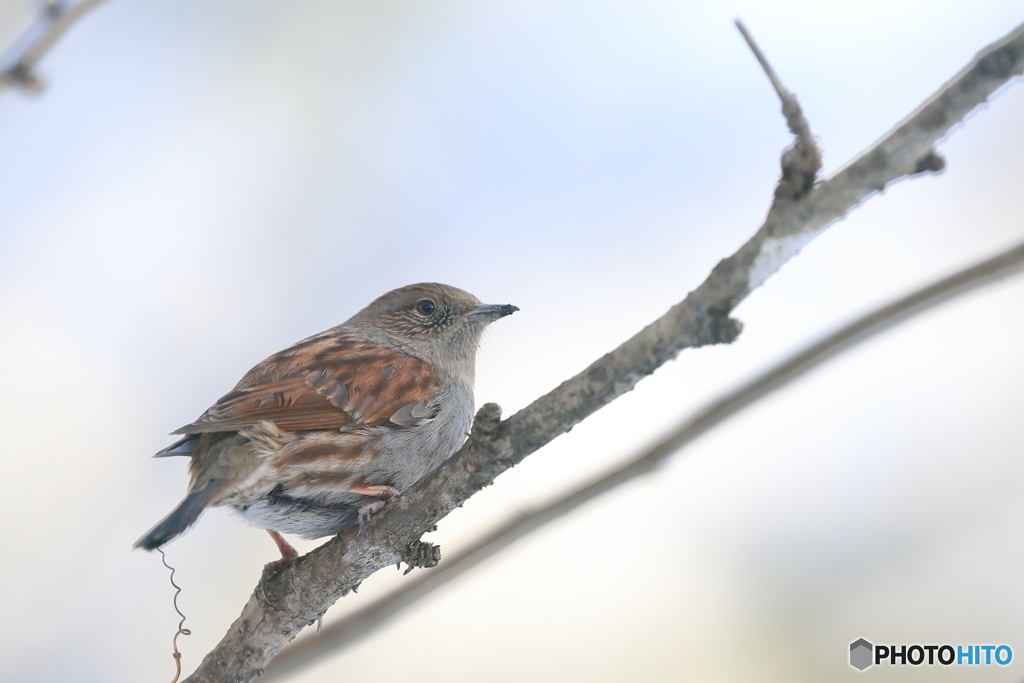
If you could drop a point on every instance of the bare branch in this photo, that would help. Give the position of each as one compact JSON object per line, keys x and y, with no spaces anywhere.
{"x":300,"y":592}
{"x":802,"y":160}
{"x":362,"y":622}
{"x":17,"y":65}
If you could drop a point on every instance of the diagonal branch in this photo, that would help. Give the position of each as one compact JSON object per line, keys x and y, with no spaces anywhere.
{"x":17,"y":65}
{"x":362,"y":622}
{"x":299,"y":593}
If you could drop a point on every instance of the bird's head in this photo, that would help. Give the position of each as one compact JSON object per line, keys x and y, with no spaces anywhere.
{"x":437,"y":322}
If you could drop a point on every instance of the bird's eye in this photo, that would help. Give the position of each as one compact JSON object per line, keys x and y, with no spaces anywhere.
{"x":425,"y":306}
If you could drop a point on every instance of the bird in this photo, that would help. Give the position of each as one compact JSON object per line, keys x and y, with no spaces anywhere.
{"x":316,"y":437}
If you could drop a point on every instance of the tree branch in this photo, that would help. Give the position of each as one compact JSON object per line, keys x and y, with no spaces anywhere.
{"x":364,"y":621}
{"x":300,"y":592}
{"x":801,"y":161}
{"x":17,"y":65}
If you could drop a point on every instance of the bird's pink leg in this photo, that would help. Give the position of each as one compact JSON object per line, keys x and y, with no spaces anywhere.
{"x":382,"y":492}
{"x":287,"y":551}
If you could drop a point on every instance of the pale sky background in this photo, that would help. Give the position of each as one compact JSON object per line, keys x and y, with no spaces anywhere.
{"x":205,"y":182}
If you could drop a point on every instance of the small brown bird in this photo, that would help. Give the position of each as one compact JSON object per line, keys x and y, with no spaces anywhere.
{"x":316,"y":437}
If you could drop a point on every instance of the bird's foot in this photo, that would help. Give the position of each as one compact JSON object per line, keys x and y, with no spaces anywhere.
{"x":288,"y":553}
{"x":383,"y":493}
{"x":364,"y":514}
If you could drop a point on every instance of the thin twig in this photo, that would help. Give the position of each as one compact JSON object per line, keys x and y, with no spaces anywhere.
{"x":182,"y":631}
{"x":303,"y":590}
{"x":802,"y":160}
{"x":17,"y":65}
{"x":354,"y":626}
{"x":780,"y":89}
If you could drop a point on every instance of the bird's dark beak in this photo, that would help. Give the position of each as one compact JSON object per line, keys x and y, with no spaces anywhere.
{"x":491,"y":312}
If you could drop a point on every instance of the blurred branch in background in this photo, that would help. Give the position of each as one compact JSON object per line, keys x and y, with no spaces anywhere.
{"x":17,"y":65}
{"x":300,"y":592}
{"x":336,"y":636}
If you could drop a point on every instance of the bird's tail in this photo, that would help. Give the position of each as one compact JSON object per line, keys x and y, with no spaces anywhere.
{"x":181,"y":517}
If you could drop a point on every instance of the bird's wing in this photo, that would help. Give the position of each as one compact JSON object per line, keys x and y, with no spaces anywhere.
{"x":329,"y":381}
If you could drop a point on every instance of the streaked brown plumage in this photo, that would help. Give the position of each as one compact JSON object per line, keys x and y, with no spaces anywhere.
{"x":316,"y":436}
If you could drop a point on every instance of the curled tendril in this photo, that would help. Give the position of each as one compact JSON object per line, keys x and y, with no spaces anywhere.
{"x":181,"y":630}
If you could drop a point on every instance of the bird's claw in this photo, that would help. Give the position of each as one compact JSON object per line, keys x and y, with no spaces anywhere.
{"x":364,"y":514}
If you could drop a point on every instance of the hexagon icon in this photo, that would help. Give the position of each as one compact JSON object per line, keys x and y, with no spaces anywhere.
{"x":860,"y":654}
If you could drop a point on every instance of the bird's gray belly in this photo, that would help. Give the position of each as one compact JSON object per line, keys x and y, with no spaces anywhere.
{"x":304,"y":517}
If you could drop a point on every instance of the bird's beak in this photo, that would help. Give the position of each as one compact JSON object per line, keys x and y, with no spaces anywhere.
{"x":491,"y":312}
